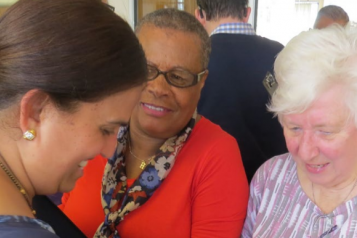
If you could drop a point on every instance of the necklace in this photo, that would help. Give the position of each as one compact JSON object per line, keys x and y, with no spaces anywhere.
{"x":344,"y":200}
{"x":18,"y":185}
{"x":143,"y":162}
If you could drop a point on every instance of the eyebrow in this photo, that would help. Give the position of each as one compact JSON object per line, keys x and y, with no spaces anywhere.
{"x":119,"y":123}
{"x":172,"y":68}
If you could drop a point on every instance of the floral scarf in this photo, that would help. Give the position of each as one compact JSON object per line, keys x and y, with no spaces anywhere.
{"x":117,"y":200}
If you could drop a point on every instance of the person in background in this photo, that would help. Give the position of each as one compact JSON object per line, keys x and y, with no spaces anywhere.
{"x":174,"y":173}
{"x":71,"y":72}
{"x":234,"y":96}
{"x":329,"y":15}
{"x":311,"y":191}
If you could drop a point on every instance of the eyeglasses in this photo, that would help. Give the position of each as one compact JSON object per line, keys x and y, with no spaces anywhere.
{"x":176,"y":77}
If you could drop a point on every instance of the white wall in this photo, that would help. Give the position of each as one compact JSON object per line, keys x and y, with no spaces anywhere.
{"x":7,"y":2}
{"x":125,"y":9}
{"x":252,"y":15}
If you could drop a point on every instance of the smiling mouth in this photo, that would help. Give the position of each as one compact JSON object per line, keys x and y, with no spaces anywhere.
{"x":317,"y":166}
{"x":155,"y":108}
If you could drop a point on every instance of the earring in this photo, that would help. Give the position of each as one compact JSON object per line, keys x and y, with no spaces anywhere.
{"x":29,"y":135}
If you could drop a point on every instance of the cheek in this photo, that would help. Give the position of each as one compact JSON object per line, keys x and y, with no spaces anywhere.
{"x":187,"y":101}
{"x":292,"y":145}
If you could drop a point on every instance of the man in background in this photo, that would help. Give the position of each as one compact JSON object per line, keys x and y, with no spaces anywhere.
{"x":329,"y":15}
{"x":234,"y":96}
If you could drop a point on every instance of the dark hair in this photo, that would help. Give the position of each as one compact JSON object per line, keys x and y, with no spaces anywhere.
{"x":216,"y":9}
{"x":73,"y":50}
{"x":182,"y":21}
{"x":333,"y":12}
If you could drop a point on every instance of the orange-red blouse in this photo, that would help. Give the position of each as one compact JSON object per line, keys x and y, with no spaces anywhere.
{"x":205,"y":194}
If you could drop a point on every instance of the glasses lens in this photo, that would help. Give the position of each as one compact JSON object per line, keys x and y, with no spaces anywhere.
{"x":180,"y":78}
{"x":152,"y":72}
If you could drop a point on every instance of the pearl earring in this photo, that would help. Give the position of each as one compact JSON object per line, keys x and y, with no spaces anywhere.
{"x":29,"y":135}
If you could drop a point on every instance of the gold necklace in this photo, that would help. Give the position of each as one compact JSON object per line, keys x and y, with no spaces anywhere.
{"x":143,"y":162}
{"x":344,"y":200}
{"x":18,"y":185}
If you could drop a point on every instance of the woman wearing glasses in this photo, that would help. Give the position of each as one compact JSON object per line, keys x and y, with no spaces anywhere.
{"x":174,"y":173}
{"x":311,"y":191}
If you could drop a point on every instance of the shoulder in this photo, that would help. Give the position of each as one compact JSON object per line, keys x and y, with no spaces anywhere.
{"x":16,"y":226}
{"x":208,"y":135}
{"x":210,"y":150}
{"x":272,"y":171}
{"x":270,"y":42}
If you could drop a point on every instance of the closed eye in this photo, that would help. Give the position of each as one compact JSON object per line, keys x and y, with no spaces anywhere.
{"x":295,"y":128}
{"x":107,"y":132}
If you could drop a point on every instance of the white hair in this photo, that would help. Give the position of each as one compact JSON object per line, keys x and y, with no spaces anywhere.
{"x":313,"y":62}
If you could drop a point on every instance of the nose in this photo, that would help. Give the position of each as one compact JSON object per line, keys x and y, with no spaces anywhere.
{"x":109,"y":146}
{"x":159,"y":86}
{"x":307,"y":147}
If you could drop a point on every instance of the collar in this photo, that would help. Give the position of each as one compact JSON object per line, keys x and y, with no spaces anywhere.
{"x":234,"y":28}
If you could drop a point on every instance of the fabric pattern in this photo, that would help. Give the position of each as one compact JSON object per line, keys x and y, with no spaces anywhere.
{"x":22,"y":226}
{"x":234,"y":28}
{"x":117,"y":200}
{"x":40,"y":223}
{"x":278,"y":207}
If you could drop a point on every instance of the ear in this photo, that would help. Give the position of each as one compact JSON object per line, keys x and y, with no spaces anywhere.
{"x":247,"y":15}
{"x":31,"y":107}
{"x":200,"y":16}
{"x":203,"y":79}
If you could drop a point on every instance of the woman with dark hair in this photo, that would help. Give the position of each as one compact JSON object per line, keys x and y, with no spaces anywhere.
{"x":71,"y":72}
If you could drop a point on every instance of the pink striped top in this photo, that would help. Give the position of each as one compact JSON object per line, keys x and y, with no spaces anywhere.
{"x":279,"y":208}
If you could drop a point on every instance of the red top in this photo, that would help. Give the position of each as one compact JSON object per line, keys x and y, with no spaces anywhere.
{"x":205,"y":194}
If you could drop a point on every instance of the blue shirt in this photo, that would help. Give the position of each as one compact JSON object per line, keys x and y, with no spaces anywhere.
{"x":21,"y":226}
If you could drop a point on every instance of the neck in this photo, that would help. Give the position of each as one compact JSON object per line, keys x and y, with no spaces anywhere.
{"x":329,"y":197}
{"x":10,"y":156}
{"x":13,"y":186}
{"x":142,"y":145}
{"x":211,"y":25}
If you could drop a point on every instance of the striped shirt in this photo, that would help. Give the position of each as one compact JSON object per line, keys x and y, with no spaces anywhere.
{"x":234,"y":28}
{"x":279,"y":208}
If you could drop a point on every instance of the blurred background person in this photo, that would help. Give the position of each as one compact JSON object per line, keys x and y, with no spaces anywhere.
{"x":329,"y":15}
{"x":234,"y":96}
{"x":71,"y":72}
{"x":311,"y":191}
{"x":175,"y":173}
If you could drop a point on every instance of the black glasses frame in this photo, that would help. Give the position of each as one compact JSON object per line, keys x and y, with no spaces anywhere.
{"x":197,"y":77}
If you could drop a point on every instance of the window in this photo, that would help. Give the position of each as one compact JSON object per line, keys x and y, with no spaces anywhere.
{"x":144,"y":7}
{"x":281,"y":20}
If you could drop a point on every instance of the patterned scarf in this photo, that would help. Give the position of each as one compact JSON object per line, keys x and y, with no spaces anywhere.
{"x":117,"y":200}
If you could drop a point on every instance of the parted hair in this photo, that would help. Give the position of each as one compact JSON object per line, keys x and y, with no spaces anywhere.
{"x":312,"y":63}
{"x":181,"y":21}
{"x":216,"y":9}
{"x":73,"y":50}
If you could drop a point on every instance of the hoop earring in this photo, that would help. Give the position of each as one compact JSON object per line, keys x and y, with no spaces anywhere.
{"x":29,"y":135}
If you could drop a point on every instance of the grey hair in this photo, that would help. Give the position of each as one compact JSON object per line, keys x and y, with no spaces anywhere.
{"x":312,"y":63}
{"x":181,"y":21}
{"x":333,"y":12}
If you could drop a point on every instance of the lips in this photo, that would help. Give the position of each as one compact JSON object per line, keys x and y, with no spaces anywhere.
{"x":159,"y":109}
{"x":316,"y":168}
{"x":155,"y":110}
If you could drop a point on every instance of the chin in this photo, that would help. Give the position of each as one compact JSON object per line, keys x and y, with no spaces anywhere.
{"x":67,"y":186}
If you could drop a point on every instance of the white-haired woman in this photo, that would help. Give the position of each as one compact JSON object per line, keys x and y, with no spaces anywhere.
{"x":311,"y":191}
